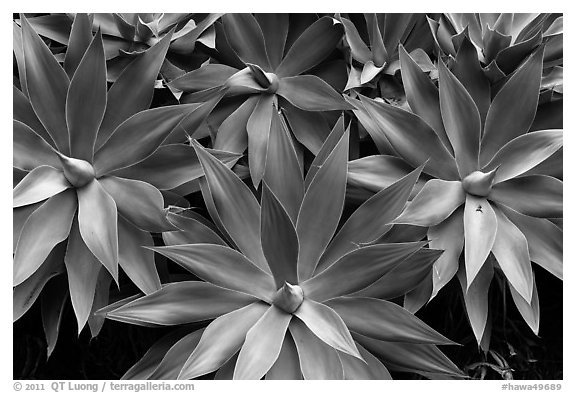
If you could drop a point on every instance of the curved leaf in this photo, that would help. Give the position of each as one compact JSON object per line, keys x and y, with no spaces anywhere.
{"x":52,"y":305}
{"x":480,"y":232}
{"x":139,"y":202}
{"x":311,"y":47}
{"x":354,"y":369}
{"x":321,"y":208}
{"x":192,"y":230}
{"x":98,"y":223}
{"x":232,"y":135}
{"x":19,"y":217}
{"x":461,"y":119}
{"x":376,"y":172}
{"x":29,"y":150}
{"x":279,"y":239}
{"x":310,"y":93}
{"x":39,"y":184}
{"x":47,"y":85}
{"x":318,"y":360}
{"x":23,"y":112}
{"x":358,"y":48}
{"x":245,"y":37}
{"x":133,"y":90}
{"x":78,"y":43}
{"x":511,"y":251}
{"x":262,"y":345}
{"x":287,"y":366}
{"x":180,"y":303}
{"x":205,"y":77}
{"x":222,"y":266}
{"x":138,"y":137}
{"x":309,"y":128}
{"x":221,"y":340}
{"x":514,"y":107}
{"x":176,"y":356}
{"x":258,"y":129}
{"x":437,"y":200}
{"x":327,"y":326}
{"x":45,"y":228}
{"x":529,"y":311}
{"x":275,"y":31}
{"x":357,"y":270}
{"x":536,"y":195}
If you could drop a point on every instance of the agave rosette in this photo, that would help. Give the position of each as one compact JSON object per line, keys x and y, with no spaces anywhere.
{"x":378,"y":52}
{"x":490,"y":191}
{"x":290,"y":300}
{"x":81,"y":160}
{"x":128,"y":34}
{"x":266,"y":66}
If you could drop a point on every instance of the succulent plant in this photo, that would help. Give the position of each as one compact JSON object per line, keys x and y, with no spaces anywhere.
{"x":268,"y":63}
{"x":82,"y":157}
{"x":291,"y":298}
{"x":485,"y":192}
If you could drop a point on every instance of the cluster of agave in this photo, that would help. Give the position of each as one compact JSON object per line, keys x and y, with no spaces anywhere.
{"x":310,"y":248}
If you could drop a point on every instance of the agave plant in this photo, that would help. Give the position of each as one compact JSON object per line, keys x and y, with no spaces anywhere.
{"x":502,"y":41}
{"x":486,"y":195}
{"x":288,"y":298}
{"x":126,"y":35}
{"x":270,"y":77}
{"x":82,"y":158}
{"x":380,"y":53}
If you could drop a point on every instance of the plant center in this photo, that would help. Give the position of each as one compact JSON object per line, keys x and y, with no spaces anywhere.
{"x":479,"y":183}
{"x":77,"y":172}
{"x":289,"y":298}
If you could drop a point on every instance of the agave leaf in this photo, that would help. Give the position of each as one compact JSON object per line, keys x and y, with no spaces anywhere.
{"x":524,"y":153}
{"x":171,"y":166}
{"x":318,"y":360}
{"x":310,"y":93}
{"x":311,"y":47}
{"x":98,"y":223}
{"x":377,"y":172}
{"x":422,"y":96}
{"x":226,"y":371}
{"x":144,"y":368}
{"x":30,"y":150}
{"x":101,"y":299}
{"x":354,"y":369}
{"x":448,"y":236}
{"x":287,"y":366}
{"x":129,"y":144}
{"x":258,"y":129}
{"x":18,"y":50}
{"x":52,"y":303}
{"x":283,"y":174}
{"x":480,"y":232}
{"x":45,"y":228}
{"x":221,"y":340}
{"x":139,"y":202}
{"x":279,"y":239}
{"x":383,"y":320}
{"x":375,"y":260}
{"x":232,"y":135}
{"x":39,"y":184}
{"x":135,"y":259}
{"x":191,"y":230}
{"x":509,"y":58}
{"x":84,"y":112}
{"x":22,"y":111}
{"x":133,"y":90}
{"x":47,"y":85}
{"x":19,"y":217}
{"x":222,"y":266}
{"x":536,"y":195}
{"x":262,"y":345}
{"x":327,"y":325}
{"x":419,"y":296}
{"x":236,"y":206}
{"x":82,"y":268}
{"x":78,"y":43}
{"x":275,"y":30}
{"x":367,"y":223}
{"x":513,"y":109}
{"x":417,"y":358}
{"x":476,"y":298}
{"x":358,"y":48}
{"x":26,"y":293}
{"x":511,"y":250}
{"x":328,"y":145}
{"x":176,"y":356}
{"x":321,"y":208}
{"x":529,"y":311}
{"x":172,"y":304}
{"x":246,"y":39}
{"x":544,"y":240}
{"x":309,"y":128}
{"x":437,"y":200}
{"x":200,"y":33}
{"x":404,"y":277}
{"x":211,"y":207}
{"x":205,"y":77}
{"x":407,"y":133}
{"x":369,"y":72}
{"x":461,"y":119}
